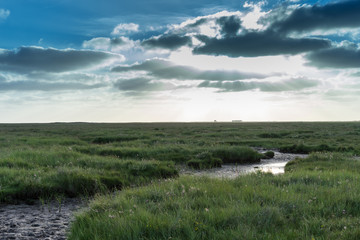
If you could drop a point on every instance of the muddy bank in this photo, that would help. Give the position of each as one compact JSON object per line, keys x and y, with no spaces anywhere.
{"x":39,"y":221}
{"x":275,"y":165}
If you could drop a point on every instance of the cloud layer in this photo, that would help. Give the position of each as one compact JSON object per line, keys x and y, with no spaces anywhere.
{"x":171,"y":42}
{"x":45,"y":86}
{"x":28,"y":59}
{"x":286,"y":30}
{"x":342,"y":14}
{"x":336,"y":57}
{"x":256,"y":44}
{"x":162,"y":69}
{"x":143,"y":85}
{"x":295,"y":84}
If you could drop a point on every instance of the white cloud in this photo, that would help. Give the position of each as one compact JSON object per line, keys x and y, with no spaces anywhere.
{"x":250,"y":20}
{"x":124,"y":28}
{"x":99,"y":43}
{"x":4,"y":13}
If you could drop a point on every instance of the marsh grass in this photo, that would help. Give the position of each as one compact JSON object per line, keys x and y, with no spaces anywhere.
{"x":318,"y":198}
{"x":82,"y":159}
{"x":34,"y":174}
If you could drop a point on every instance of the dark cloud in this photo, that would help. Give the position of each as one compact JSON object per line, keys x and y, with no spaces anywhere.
{"x":337,"y":57}
{"x":143,"y":85}
{"x":166,"y":70}
{"x":118,"y":41}
{"x":28,"y":59}
{"x":230,"y":25}
{"x":333,"y":15}
{"x":45,"y":86}
{"x":254,"y":44}
{"x":171,"y":42}
{"x":197,"y":23}
{"x":279,"y":86}
{"x":276,"y":39}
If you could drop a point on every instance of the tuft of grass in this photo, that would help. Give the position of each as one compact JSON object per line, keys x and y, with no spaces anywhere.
{"x":305,"y":149}
{"x":235,"y":154}
{"x":204,"y":160}
{"x":269,"y":154}
{"x":274,"y":135}
{"x":108,"y":139}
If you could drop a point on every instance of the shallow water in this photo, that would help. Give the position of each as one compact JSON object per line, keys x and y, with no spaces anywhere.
{"x":275,"y":165}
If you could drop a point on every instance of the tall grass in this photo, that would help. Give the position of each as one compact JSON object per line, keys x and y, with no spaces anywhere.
{"x":313,"y":200}
{"x":35,"y":174}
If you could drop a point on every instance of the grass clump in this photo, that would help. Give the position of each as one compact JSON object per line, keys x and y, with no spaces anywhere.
{"x":105,"y":140}
{"x":305,"y":149}
{"x":269,"y":154}
{"x":235,"y":154}
{"x":274,"y":135}
{"x":204,"y":160}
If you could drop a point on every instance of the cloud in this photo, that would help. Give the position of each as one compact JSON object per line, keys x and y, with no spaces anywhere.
{"x":67,"y":77}
{"x":336,"y":57}
{"x":342,"y":14}
{"x":209,"y":25}
{"x":357,"y":74}
{"x":45,"y":86}
{"x":167,"y":70}
{"x":109,"y":44}
{"x":294,"y":84}
{"x":229,"y":34}
{"x":171,"y":42}
{"x":230,"y":25}
{"x":254,"y":44}
{"x":143,"y":85}
{"x":4,"y":14}
{"x":125,"y":28}
{"x":28,"y":59}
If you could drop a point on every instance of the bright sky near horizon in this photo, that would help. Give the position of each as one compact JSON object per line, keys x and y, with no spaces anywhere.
{"x":128,"y":61}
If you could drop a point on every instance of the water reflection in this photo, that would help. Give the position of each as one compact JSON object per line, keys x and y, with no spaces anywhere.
{"x":275,"y":165}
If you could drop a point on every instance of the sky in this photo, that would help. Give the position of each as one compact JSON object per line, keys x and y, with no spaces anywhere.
{"x":165,"y":61}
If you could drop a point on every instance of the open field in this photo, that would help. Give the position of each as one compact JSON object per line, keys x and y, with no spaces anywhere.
{"x":72,"y":159}
{"x":317,"y":198}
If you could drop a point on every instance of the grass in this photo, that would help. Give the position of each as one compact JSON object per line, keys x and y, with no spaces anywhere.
{"x":32,"y":174}
{"x":317,"y":199}
{"x":82,"y":158}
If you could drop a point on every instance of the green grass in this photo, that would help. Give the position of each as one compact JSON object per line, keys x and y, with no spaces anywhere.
{"x":32,"y":174}
{"x":82,"y":158}
{"x":317,"y":199}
